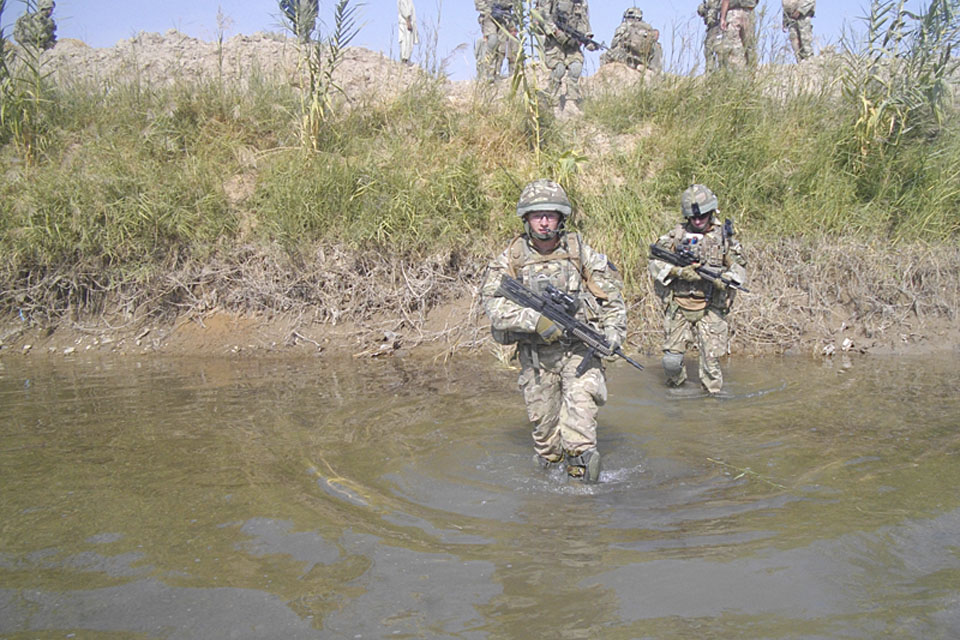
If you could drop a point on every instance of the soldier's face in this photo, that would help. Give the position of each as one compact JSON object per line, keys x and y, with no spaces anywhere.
{"x":700,"y":221}
{"x":544,"y":221}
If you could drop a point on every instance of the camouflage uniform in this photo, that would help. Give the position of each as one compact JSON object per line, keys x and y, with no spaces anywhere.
{"x":508,"y":43}
{"x":798,"y":23}
{"x":561,"y":52}
{"x":562,"y":406}
{"x":499,"y":23}
{"x":37,"y":29}
{"x":697,"y":310}
{"x":635,"y":44}
{"x":709,"y":10}
{"x":739,"y":47}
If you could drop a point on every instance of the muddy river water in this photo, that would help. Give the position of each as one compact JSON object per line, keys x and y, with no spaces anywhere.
{"x":304,"y":498}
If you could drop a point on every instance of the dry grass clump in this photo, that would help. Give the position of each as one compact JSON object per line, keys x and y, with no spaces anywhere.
{"x":808,"y":293}
{"x":375,"y":292}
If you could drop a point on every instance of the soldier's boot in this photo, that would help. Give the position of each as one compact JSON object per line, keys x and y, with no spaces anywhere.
{"x":585,"y":467}
{"x":673,"y":368}
{"x":549,"y":462}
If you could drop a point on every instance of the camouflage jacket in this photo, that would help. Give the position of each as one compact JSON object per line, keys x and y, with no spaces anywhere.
{"x":637,"y":38}
{"x":548,"y":14}
{"x":800,"y":8}
{"x":574,"y":268}
{"x":709,"y":10}
{"x":35,"y":30}
{"x":715,"y":251}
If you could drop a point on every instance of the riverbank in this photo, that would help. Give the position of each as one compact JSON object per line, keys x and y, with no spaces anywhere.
{"x":203,"y":211}
{"x":817,"y":298}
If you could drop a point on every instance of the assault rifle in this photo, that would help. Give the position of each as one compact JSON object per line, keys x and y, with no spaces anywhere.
{"x":561,"y":307}
{"x":684,"y":257}
{"x":503,"y":14}
{"x":579,"y":36}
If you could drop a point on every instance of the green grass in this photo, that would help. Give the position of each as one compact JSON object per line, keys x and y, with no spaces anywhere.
{"x":130,"y":182}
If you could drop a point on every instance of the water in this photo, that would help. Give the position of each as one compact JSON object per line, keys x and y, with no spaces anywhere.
{"x":166,"y":498}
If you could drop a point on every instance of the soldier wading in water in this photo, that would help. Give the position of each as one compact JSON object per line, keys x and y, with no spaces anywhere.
{"x":561,"y":404}
{"x":695,"y":308}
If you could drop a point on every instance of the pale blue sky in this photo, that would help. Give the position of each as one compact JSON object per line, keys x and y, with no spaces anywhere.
{"x":101,"y":23}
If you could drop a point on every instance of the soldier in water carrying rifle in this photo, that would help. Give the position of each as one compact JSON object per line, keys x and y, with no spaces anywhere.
{"x":562,"y":378}
{"x":697,"y":268}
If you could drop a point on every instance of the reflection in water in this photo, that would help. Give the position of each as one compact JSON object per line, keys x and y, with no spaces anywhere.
{"x":316,"y":499}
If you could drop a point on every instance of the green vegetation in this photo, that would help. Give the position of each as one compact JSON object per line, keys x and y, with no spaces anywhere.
{"x":107,"y":190}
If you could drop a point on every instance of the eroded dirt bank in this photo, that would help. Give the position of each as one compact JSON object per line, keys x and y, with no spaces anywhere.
{"x":813,"y":299}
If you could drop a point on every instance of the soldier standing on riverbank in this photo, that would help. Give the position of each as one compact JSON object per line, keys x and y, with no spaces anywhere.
{"x":561,"y":50}
{"x":738,"y":24}
{"x":561,"y":404}
{"x":489,"y":39}
{"x":696,"y":308}
{"x":635,"y":43}
{"x":709,"y":11}
{"x":507,"y":16}
{"x":798,"y":23}
{"x":499,"y":25}
{"x":37,"y":29}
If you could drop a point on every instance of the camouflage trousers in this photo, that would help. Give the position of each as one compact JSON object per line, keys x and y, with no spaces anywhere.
{"x":562,"y":407}
{"x":488,"y":47}
{"x":507,"y":48}
{"x":739,"y":40}
{"x":565,"y":62}
{"x":800,"y":32}
{"x":712,"y":45}
{"x":709,"y":329}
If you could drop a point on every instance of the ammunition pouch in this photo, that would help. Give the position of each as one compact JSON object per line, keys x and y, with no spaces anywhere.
{"x":505,"y":337}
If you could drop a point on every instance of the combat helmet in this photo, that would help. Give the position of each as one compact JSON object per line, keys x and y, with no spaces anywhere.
{"x":698,"y":200}
{"x":543,"y":195}
{"x":633,"y":13}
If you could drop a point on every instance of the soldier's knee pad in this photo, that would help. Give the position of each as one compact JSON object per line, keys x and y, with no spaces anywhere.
{"x":672,"y":363}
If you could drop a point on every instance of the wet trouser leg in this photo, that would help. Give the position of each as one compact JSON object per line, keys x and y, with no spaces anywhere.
{"x":712,"y":341}
{"x":561,"y":405}
{"x":677,"y":339}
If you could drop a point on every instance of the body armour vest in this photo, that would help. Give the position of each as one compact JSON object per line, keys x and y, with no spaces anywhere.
{"x":562,"y":269}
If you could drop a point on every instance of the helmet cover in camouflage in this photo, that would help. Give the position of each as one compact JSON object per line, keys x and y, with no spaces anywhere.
{"x":543,"y":195}
{"x":698,"y":200}
{"x":44,"y":4}
{"x":633,"y":14}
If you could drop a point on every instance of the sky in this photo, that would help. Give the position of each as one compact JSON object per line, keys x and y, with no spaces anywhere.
{"x":447,"y":27}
